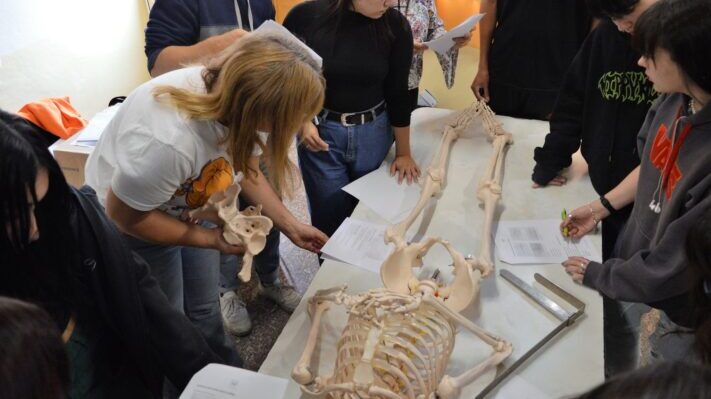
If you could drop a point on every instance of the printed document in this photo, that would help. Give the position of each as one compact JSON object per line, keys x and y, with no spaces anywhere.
{"x":359,"y":243}
{"x":89,"y":136}
{"x":381,"y":192}
{"x":539,"y":242}
{"x":217,"y":381}
{"x":445,"y":42}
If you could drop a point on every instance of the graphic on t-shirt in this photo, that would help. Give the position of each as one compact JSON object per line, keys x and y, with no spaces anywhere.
{"x":630,"y":87}
{"x":214,"y":177}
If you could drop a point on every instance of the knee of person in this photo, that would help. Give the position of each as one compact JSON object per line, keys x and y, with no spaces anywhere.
{"x":203,"y":311}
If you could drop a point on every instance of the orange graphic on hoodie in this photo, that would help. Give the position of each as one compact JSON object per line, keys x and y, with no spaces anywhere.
{"x":214,"y":177}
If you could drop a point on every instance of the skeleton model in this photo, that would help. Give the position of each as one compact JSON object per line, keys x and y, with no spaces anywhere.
{"x":248,"y":228}
{"x":398,"y":339}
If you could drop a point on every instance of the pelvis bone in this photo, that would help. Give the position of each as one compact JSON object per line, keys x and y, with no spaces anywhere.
{"x":248,"y":227}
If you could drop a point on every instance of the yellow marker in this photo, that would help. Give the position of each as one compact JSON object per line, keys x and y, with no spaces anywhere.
{"x":564,"y":216}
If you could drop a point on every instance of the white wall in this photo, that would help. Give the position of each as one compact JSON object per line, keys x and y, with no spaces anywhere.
{"x":89,"y":50}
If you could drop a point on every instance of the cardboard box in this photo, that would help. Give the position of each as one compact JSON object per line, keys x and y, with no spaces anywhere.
{"x":71,"y":156}
{"x":72,"y":159}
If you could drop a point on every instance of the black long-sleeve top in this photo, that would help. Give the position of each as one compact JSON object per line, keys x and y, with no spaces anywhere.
{"x":365,"y":60}
{"x":601,"y":106}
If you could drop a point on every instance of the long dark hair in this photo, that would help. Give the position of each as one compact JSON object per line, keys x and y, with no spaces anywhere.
{"x":40,"y":271}
{"x":683,"y":29}
{"x":33,"y":363}
{"x":698,"y":253}
{"x":660,"y":381}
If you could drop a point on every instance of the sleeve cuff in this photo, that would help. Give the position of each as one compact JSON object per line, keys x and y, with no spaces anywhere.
{"x":591,"y":274}
{"x":542,"y":175}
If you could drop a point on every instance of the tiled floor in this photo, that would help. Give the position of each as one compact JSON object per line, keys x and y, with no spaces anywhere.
{"x":298,"y":268}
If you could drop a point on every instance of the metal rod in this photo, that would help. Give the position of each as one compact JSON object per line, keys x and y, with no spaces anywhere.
{"x":578,"y":304}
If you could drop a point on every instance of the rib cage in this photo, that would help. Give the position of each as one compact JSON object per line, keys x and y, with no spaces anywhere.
{"x":412,"y":351}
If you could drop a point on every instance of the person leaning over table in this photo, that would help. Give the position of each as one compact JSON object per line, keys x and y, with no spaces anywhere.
{"x":602,"y":104}
{"x":366,"y":46}
{"x":671,"y":188}
{"x":184,"y":136}
{"x":183,"y":32}
{"x":426,"y":25}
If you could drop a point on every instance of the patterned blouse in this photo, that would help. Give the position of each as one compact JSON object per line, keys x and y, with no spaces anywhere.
{"x":427,"y":25}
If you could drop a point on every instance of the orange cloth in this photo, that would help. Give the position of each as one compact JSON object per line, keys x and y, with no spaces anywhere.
{"x":55,"y":115}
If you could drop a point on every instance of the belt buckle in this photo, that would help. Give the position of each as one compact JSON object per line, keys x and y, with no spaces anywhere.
{"x":344,"y":122}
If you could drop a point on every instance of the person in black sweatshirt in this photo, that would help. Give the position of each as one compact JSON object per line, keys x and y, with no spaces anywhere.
{"x":671,"y":188}
{"x":366,"y":46}
{"x":600,"y":108}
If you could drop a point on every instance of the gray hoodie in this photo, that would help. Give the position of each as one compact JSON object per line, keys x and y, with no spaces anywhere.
{"x":650,"y":265}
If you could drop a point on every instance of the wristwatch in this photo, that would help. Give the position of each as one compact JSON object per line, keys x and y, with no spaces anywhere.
{"x":606,"y":203}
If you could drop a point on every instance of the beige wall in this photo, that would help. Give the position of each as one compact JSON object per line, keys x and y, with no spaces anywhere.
{"x":89,"y":50}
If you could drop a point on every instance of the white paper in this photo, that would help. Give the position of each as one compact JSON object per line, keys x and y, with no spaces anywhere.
{"x":539,"y":242}
{"x":273,"y":27}
{"x":89,"y":136}
{"x":381,"y":192}
{"x":445,"y":42}
{"x":217,"y":381}
{"x":426,"y":99}
{"x":359,"y":243}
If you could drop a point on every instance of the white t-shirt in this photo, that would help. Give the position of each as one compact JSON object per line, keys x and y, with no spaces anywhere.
{"x":154,"y":157}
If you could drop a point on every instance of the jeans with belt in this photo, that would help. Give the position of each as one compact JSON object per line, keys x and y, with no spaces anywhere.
{"x":353,"y":152}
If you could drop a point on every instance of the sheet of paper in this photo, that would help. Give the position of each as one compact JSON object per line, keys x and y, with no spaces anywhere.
{"x":445,"y":42}
{"x":426,"y":99}
{"x":89,"y":136}
{"x":273,"y":27}
{"x":217,"y":381}
{"x":539,"y":242}
{"x":372,"y":188}
{"x":359,"y":243}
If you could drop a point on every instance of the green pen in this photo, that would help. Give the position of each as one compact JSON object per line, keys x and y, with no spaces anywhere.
{"x":564,"y":216}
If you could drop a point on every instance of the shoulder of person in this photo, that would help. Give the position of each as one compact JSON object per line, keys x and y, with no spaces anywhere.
{"x":308,"y":8}
{"x":607,"y":28}
{"x":397,"y":20}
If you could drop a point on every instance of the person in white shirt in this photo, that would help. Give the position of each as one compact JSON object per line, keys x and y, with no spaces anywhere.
{"x":184,"y":136}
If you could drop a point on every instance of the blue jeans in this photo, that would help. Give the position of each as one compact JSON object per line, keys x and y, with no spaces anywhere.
{"x":353,"y":152}
{"x":189,"y":278}
{"x":671,"y":342}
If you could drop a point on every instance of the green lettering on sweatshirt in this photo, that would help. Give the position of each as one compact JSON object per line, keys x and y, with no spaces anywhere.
{"x":629,"y":86}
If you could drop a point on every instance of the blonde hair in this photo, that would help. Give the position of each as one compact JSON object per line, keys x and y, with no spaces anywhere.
{"x":261,"y":80}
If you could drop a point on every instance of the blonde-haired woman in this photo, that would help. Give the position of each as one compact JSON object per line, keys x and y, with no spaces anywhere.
{"x":182,"y":137}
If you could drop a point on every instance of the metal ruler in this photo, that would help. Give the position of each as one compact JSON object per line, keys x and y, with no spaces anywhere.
{"x":566,"y":318}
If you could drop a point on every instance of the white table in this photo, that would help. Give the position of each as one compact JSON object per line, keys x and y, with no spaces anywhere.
{"x":571,"y":363}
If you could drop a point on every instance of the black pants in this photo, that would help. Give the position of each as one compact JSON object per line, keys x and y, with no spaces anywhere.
{"x":611,"y":229}
{"x":521,"y":102}
{"x":620,"y":319}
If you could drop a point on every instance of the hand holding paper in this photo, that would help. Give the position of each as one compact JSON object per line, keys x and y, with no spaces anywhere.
{"x":445,"y":42}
